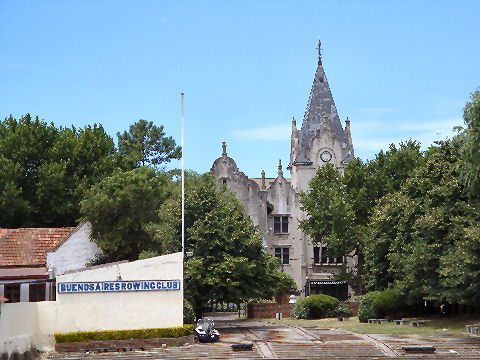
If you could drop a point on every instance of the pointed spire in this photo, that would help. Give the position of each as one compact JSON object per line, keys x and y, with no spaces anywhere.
{"x":294,"y":128}
{"x":224,"y":147}
{"x":320,"y":103}
{"x":263,"y":187}
{"x":280,"y":171}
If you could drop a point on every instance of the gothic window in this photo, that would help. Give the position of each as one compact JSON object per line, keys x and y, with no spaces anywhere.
{"x":283,"y":253}
{"x":12,"y":292}
{"x":280,"y":224}
{"x":37,"y":292}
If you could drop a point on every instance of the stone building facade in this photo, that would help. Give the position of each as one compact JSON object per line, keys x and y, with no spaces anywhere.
{"x":273,"y":204}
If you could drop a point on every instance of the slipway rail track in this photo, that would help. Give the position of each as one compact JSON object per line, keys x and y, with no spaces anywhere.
{"x":273,"y":341}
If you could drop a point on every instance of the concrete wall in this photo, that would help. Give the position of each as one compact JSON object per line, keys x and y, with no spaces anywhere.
{"x":123,"y":310}
{"x":74,"y":253}
{"x":98,"y":311}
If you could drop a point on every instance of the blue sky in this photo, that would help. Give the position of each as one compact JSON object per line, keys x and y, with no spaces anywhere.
{"x":397,"y":69}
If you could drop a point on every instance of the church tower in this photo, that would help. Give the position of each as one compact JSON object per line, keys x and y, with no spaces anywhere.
{"x":321,"y":138}
{"x":274,"y":203}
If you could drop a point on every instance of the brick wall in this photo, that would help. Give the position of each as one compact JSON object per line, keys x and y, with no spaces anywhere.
{"x":354,"y":307}
{"x":269,"y":310}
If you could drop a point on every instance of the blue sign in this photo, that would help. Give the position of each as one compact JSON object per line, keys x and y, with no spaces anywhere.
{"x":117,"y":286}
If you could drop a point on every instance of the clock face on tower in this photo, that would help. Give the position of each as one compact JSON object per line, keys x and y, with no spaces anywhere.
{"x":325,"y":156}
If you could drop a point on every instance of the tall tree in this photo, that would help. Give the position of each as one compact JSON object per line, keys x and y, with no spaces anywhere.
{"x":415,"y":231}
{"x":468,"y":145}
{"x":121,"y":207}
{"x":339,"y":208}
{"x":145,"y":144}
{"x":44,"y":170}
{"x":228,"y":262}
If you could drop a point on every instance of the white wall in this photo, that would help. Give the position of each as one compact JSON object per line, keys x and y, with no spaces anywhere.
{"x":74,"y":253}
{"x":123,"y":310}
{"x":101,"y":311}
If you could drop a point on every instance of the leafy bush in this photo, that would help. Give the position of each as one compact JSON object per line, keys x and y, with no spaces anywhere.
{"x":300,"y":310}
{"x":284,"y":284}
{"x":387,"y":302}
{"x":366,"y":309}
{"x":188,"y":313}
{"x":172,"y":332}
{"x":342,"y":310}
{"x":314,"y":306}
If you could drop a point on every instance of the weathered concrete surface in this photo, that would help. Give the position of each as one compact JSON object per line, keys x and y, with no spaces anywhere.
{"x":272,"y":341}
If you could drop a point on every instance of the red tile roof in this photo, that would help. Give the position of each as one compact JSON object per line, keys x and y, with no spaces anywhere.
{"x":29,"y":246}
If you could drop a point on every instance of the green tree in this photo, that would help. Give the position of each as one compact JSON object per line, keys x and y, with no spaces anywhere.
{"x":468,"y":145}
{"x":284,"y":284}
{"x":415,"y":231}
{"x":228,"y":262}
{"x":44,"y":170}
{"x":329,"y":215}
{"x":121,"y":207}
{"x":145,"y":144}
{"x":339,"y":208}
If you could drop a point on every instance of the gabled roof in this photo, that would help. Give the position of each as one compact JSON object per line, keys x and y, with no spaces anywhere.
{"x":29,"y":246}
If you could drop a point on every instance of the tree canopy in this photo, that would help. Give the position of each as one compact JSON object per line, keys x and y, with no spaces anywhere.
{"x":412,"y":218}
{"x":468,"y":145}
{"x":339,"y":207}
{"x":120,"y":209}
{"x":145,"y":144}
{"x":228,"y":262}
{"x":45,"y":170}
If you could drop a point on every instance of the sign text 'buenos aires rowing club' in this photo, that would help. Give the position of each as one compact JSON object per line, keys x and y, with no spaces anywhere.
{"x":117,"y":286}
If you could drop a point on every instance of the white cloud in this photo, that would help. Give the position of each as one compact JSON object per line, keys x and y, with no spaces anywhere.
{"x":268,"y":133}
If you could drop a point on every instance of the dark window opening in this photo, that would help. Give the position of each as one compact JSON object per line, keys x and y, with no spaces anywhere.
{"x":12,"y":292}
{"x":224,"y":180}
{"x":280,"y":224}
{"x":37,"y":292}
{"x":316,"y":255}
{"x":283,"y":254}
{"x":324,"y":259}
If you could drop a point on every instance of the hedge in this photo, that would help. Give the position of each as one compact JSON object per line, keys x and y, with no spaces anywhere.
{"x":314,"y":306}
{"x":172,"y":332}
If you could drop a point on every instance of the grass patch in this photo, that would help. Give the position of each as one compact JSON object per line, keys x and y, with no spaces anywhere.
{"x":433,"y":326}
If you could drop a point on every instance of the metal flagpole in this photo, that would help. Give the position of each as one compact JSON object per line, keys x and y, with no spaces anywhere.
{"x":183,"y":192}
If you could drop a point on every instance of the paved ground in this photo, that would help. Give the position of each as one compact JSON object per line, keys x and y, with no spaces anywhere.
{"x":273,"y":341}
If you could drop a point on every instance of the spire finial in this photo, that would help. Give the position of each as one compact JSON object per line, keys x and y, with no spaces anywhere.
{"x":319,"y":51}
{"x":263,"y":181}
{"x":348,"y":120}
{"x":294,"y":122}
{"x":224,"y":147}
{"x":280,"y":171}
